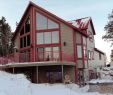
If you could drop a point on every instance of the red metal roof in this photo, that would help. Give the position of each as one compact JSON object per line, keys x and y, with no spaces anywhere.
{"x":82,"y":23}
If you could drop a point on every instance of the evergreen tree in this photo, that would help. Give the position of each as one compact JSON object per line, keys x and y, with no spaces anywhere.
{"x":5,"y":38}
{"x":109,"y":29}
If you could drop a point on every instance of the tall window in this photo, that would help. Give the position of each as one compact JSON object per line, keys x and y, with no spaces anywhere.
{"x":25,"y":34}
{"x":79,"y":51}
{"x":41,"y":22}
{"x":89,"y":54}
{"x":47,"y":30}
{"x":47,"y":37}
{"x":100,"y":57}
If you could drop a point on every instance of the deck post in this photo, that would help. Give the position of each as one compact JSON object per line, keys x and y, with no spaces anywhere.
{"x":37,"y":74}
{"x":13,"y":70}
{"x":62,"y":67}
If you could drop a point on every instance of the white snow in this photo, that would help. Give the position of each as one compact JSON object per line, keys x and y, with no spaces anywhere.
{"x":82,"y":24}
{"x":101,"y":81}
{"x":17,"y":84}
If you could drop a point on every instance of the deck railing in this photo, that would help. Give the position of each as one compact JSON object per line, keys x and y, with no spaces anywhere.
{"x":40,"y":57}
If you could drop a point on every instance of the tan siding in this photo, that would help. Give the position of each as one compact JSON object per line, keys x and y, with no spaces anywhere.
{"x":78,"y":37}
{"x":67,"y":37}
{"x":16,"y":42}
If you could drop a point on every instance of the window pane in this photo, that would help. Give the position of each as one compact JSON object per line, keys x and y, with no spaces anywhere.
{"x":47,"y":37}
{"x":55,"y":37}
{"x":48,"y":53}
{"x":24,"y":41}
{"x":22,"y":31}
{"x":89,"y":54}
{"x":55,"y":53}
{"x":27,"y":25}
{"x":40,"y":54}
{"x":40,"y":38}
{"x":79,"y":51}
{"x":21,"y":42}
{"x":41,"y":22}
{"x":85,"y":52}
{"x":52,"y":24}
{"x":28,"y":40}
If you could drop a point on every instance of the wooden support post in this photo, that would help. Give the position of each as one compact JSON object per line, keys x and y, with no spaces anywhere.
{"x":62,"y":67}
{"x":13,"y":70}
{"x":37,"y":74}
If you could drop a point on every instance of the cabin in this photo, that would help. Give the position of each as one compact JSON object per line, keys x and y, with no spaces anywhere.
{"x":49,"y":49}
{"x":45,"y":47}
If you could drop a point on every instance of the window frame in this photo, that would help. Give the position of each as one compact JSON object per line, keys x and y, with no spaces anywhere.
{"x":81,"y":51}
{"x":25,"y":35}
{"x":48,"y":18}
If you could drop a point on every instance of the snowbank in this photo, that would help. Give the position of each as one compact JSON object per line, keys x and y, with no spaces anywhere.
{"x":18,"y":85}
{"x":95,"y":81}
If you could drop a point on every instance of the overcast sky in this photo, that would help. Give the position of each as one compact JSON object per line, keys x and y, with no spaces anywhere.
{"x":67,"y":10}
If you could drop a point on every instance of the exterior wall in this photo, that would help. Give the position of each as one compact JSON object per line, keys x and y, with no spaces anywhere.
{"x":79,"y":41}
{"x":68,"y":70}
{"x":16,"y":43}
{"x":90,"y":45}
{"x":78,"y":38}
{"x":98,"y":62}
{"x":67,"y":37}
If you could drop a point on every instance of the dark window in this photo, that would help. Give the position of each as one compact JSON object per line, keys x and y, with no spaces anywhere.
{"x":28,"y":40}
{"x":22,"y":31}
{"x":21,"y":42}
{"x":27,"y":25}
{"x":24,"y":41}
{"x":100,"y":57}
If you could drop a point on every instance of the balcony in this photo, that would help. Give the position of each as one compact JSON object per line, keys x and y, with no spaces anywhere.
{"x":40,"y":57}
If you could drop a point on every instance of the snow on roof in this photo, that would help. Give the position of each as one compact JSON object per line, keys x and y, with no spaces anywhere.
{"x":81,"y":23}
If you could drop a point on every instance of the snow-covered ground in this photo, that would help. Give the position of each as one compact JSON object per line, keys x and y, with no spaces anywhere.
{"x":18,"y":85}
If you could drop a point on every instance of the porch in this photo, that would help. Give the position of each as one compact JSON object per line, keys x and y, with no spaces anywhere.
{"x":41,"y":57}
{"x":44,"y":72}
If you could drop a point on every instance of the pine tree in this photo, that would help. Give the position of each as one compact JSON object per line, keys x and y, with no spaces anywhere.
{"x":5,"y":38}
{"x":109,"y":29}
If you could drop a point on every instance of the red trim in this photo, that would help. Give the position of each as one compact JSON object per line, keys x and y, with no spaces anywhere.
{"x":60,"y":42}
{"x":74,"y":45}
{"x":48,"y":30}
{"x":82,"y":51}
{"x":31,"y":33}
{"x":25,"y":48}
{"x":46,"y":12}
{"x":47,"y":45}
